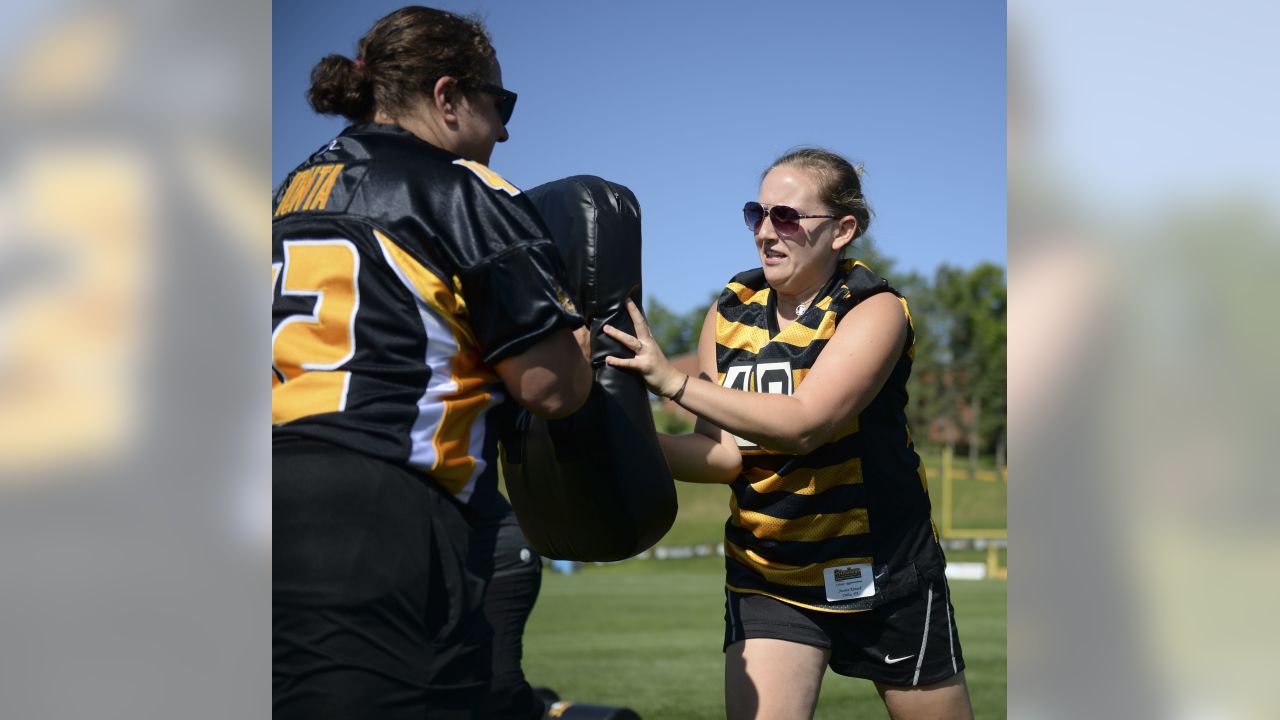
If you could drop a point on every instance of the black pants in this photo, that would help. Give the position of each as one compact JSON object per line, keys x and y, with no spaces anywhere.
{"x":513,"y":588}
{"x":377,"y":607}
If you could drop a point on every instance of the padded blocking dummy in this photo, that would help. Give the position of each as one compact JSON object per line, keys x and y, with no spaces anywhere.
{"x":593,"y":486}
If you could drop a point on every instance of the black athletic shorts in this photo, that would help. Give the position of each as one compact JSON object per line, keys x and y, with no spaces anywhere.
{"x":908,"y":641}
{"x":376,"y":611}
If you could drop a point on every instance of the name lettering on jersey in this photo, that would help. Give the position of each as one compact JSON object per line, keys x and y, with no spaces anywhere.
{"x":309,"y":189}
{"x":488,"y":177}
{"x":768,"y":377}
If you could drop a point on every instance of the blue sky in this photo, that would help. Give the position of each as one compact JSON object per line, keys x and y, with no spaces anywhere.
{"x":686,"y":103}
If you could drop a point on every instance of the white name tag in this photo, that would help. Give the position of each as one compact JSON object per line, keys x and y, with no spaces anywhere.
{"x":849,"y":582}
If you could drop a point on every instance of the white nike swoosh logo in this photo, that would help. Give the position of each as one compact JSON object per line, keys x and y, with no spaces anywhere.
{"x":889,"y":661}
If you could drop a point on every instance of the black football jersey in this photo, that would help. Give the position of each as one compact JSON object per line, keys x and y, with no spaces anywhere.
{"x":401,"y":274}
{"x":846,"y":526}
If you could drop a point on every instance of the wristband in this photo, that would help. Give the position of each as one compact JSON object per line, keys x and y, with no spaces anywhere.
{"x":675,"y":397}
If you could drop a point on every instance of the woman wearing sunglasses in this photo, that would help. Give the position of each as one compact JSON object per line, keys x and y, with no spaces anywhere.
{"x":414,"y":291}
{"x":831,"y":557}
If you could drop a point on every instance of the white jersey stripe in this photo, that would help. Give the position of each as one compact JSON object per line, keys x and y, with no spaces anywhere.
{"x":442,"y":351}
{"x":951,"y":640}
{"x":924,"y":640}
{"x":440,"y":348}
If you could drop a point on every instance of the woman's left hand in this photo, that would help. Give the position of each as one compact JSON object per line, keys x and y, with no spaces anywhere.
{"x":649,"y":361}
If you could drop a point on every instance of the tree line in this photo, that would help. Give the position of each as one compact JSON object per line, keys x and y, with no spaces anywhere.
{"x":957,"y":388}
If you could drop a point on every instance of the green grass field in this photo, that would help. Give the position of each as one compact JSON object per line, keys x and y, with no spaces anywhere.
{"x":646,"y":634}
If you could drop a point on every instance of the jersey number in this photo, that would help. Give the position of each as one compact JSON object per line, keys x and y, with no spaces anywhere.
{"x":308,"y":347}
{"x":767,"y":377}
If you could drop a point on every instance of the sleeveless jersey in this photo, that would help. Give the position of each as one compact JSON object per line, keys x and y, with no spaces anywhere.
{"x":847,"y":526}
{"x":401,"y":274}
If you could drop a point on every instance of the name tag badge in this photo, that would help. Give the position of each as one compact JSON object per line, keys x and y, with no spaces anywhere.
{"x":849,"y":582}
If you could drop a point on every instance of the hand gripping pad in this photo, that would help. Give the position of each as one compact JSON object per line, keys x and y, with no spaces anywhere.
{"x":593,"y":486}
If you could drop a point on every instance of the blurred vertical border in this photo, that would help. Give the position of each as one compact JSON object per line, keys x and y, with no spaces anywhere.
{"x":134,"y":480}
{"x":134,"y":463}
{"x":1144,"y":238}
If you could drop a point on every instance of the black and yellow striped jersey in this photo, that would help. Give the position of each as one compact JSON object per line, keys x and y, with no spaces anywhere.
{"x":846,"y":526}
{"x":401,"y":274}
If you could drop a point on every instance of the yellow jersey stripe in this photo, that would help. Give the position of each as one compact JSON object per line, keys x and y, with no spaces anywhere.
{"x":809,"y":481}
{"x":749,"y":296}
{"x":488,"y":176}
{"x":454,"y":463}
{"x":801,"y":336}
{"x":809,"y":528}
{"x":911,"y":351}
{"x":758,"y":474}
{"x":737,"y":335}
{"x":779,"y":574}
{"x":752,"y":339}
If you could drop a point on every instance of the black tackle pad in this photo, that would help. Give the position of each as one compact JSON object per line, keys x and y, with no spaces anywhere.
{"x":593,"y":486}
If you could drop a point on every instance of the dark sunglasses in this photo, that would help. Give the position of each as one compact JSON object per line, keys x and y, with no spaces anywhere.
{"x":506,"y":100}
{"x":786,"y":220}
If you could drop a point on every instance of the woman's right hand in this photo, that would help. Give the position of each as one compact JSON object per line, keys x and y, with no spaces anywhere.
{"x":661,"y":377}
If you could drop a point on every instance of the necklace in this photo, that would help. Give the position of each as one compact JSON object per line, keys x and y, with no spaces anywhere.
{"x":805,"y":305}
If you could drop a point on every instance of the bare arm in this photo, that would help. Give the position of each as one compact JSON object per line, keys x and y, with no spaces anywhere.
{"x":553,"y":378}
{"x":848,"y":374}
{"x":709,"y":454}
